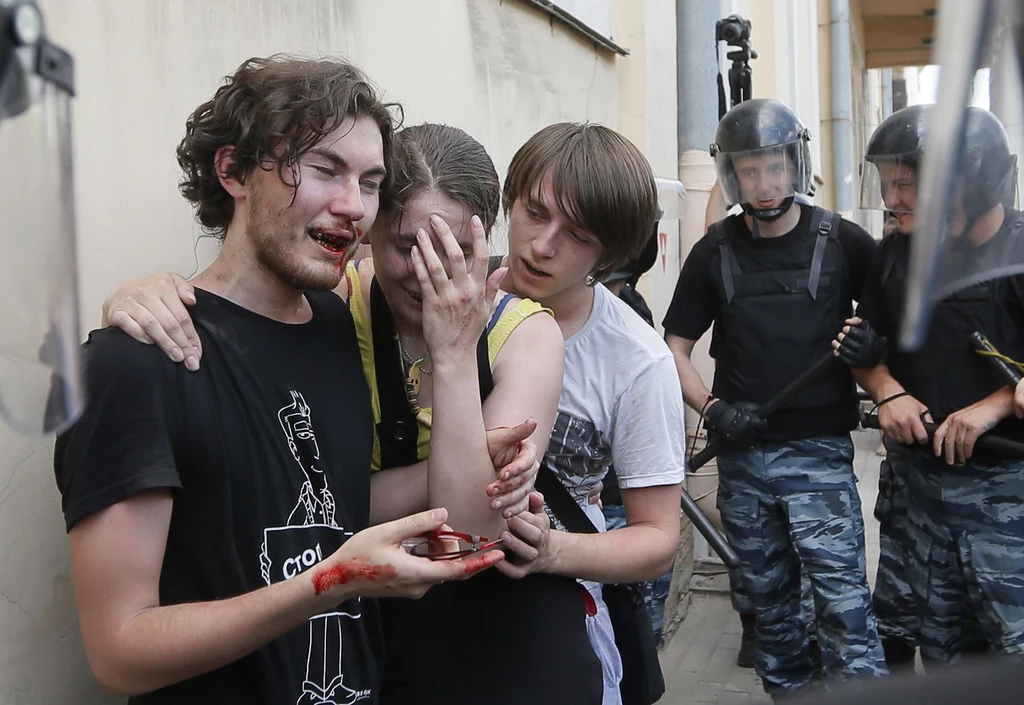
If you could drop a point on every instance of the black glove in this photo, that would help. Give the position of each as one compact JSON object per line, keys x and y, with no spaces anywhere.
{"x":736,"y":424}
{"x":862,"y":347}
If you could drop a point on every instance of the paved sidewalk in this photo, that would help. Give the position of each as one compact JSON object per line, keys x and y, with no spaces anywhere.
{"x":700,"y":662}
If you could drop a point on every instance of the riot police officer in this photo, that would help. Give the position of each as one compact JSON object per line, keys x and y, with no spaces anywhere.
{"x":894,"y":150}
{"x":965,"y":531}
{"x":778,"y":281}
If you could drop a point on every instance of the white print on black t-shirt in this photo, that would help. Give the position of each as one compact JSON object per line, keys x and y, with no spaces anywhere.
{"x":311,"y":533}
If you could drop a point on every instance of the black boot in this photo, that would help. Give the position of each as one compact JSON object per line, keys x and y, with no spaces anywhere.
{"x":748,"y":647}
{"x":899,"y":654}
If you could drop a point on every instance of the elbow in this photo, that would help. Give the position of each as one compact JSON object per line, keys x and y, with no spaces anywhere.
{"x":117,"y":676}
{"x":662,"y":558}
{"x":669,"y":548}
{"x":114,"y":681}
{"x":665,"y":563}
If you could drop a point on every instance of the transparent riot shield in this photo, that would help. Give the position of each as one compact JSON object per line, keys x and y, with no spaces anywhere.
{"x":40,"y":375}
{"x":963,"y":234}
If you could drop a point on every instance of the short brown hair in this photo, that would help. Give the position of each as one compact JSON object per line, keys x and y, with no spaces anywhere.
{"x":600,"y":180}
{"x":273,"y":110}
{"x":443,"y":158}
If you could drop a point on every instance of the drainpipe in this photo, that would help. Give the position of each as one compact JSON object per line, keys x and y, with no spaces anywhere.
{"x":842,"y":108}
{"x":696,"y":74}
{"x":697,"y":121}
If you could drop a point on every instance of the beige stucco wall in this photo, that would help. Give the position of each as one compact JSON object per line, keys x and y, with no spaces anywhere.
{"x":647,"y":116}
{"x":499,"y":69}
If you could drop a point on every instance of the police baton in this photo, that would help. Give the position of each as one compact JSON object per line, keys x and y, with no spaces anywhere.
{"x":714,"y":445}
{"x":709,"y":531}
{"x":993,"y":445}
{"x":1010,"y":374}
{"x":700,"y":521}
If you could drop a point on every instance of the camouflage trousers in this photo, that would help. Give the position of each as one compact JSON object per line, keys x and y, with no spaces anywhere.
{"x":893,"y":598}
{"x":790,"y":508}
{"x":741,"y":602}
{"x":966,"y":534}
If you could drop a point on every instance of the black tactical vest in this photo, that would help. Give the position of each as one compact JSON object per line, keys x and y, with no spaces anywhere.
{"x":773,"y":325}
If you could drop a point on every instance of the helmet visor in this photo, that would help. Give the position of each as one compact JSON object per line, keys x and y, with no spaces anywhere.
{"x":40,"y":374}
{"x":889,"y":184}
{"x":764,"y":177}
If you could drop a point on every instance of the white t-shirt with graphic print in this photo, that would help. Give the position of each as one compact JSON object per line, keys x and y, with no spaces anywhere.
{"x":621,"y":404}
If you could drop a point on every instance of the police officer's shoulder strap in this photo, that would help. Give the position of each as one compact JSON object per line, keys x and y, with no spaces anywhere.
{"x":728,"y":261}
{"x":891,"y":256}
{"x":398,"y":431}
{"x":826,"y":224}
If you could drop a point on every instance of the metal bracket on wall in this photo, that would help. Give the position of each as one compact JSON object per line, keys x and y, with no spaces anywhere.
{"x":555,"y":11}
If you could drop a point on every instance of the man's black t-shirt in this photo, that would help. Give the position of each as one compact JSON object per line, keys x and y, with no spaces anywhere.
{"x":945,"y":374}
{"x":267,"y":452}
{"x":696,"y":304}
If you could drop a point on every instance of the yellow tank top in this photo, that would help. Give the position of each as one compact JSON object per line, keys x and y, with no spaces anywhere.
{"x":498,"y":332}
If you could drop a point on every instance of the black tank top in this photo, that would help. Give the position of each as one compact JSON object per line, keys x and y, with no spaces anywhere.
{"x":491,"y":640}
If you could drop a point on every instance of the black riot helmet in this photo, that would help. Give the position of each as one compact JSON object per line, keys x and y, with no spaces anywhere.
{"x":639,"y":265}
{"x":901,"y":135}
{"x":891,"y":161}
{"x":770,"y":145}
{"x":988,"y":172}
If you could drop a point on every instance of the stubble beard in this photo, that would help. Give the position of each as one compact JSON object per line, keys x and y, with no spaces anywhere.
{"x":276,"y":250}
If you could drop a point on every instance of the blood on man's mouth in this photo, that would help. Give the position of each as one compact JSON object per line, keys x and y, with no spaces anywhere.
{"x":334,"y":240}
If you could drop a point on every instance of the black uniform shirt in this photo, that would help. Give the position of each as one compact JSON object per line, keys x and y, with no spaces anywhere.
{"x":267,"y":452}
